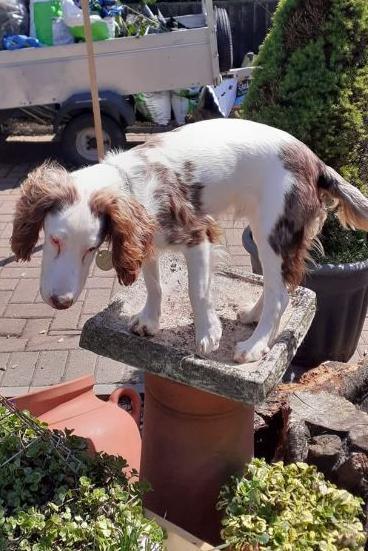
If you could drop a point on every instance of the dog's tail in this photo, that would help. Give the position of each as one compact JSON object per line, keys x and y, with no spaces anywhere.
{"x":352,"y":206}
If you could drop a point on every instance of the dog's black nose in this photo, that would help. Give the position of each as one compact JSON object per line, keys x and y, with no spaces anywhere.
{"x":61,"y":302}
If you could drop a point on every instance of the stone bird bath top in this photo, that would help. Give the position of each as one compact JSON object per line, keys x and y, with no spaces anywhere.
{"x":171,"y":353}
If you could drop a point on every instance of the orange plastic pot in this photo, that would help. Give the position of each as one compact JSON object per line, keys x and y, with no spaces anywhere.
{"x":106,"y":426}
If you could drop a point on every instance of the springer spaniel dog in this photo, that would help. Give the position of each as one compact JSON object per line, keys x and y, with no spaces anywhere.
{"x":167,"y":193}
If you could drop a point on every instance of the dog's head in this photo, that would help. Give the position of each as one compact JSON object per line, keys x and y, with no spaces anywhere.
{"x":76,"y":223}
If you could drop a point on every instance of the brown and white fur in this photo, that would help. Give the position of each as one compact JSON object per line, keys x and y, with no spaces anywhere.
{"x":167,"y":193}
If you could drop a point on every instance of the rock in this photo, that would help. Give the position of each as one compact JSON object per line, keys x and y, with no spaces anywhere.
{"x":259,"y":422}
{"x":364,"y":404}
{"x":324,"y":451}
{"x":343,"y":379}
{"x":349,"y":381}
{"x":328,"y":412}
{"x":353,"y":474}
{"x":330,"y":432}
{"x":314,"y":421}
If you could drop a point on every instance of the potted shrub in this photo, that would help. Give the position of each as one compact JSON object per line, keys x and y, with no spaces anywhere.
{"x":289,"y":508}
{"x":312,"y":81}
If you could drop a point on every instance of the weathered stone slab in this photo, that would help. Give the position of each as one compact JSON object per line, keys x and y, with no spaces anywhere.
{"x":171,"y":353}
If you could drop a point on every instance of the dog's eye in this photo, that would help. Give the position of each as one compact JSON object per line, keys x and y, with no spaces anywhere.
{"x":57,"y":244}
{"x":55,"y":241}
{"x":91,"y":249}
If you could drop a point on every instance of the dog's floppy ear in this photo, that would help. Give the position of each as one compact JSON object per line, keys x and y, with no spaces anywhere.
{"x":46,"y":188}
{"x":129,"y":228}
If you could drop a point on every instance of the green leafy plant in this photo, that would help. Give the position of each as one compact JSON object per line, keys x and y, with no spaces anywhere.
{"x":289,"y":508}
{"x":86,"y":502}
{"x":311,"y":79}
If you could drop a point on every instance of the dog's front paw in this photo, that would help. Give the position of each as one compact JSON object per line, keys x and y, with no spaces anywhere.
{"x":247,"y":351}
{"x":208,"y":335}
{"x":144,"y":325}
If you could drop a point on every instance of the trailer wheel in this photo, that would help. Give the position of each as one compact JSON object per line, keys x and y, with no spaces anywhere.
{"x":224,"y":40}
{"x":78,"y":140}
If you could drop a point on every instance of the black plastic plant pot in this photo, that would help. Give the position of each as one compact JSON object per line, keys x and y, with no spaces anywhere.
{"x":342,"y":301}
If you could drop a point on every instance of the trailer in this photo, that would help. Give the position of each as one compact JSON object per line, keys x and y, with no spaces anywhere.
{"x":52,"y":83}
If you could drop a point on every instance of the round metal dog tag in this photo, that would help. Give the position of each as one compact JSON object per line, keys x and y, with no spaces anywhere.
{"x":104,"y":260}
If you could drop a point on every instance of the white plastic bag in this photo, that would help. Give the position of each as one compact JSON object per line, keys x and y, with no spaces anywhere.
{"x":61,"y":33}
{"x":155,"y":106}
{"x":180,"y":106}
{"x":102,"y":29}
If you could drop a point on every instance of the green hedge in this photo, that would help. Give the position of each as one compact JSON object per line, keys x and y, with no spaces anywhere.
{"x":313,"y":83}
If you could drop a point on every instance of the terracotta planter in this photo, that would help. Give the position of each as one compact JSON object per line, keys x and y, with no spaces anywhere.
{"x":193,"y":442}
{"x":342,"y":301}
{"x":105,"y":425}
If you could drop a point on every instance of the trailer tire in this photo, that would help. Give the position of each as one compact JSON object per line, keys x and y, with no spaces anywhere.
{"x":224,"y":40}
{"x":78,"y":140}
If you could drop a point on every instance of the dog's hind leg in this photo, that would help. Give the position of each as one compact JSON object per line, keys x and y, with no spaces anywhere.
{"x":207,"y":324}
{"x":147,"y":322}
{"x":274,"y":304}
{"x":252,"y":314}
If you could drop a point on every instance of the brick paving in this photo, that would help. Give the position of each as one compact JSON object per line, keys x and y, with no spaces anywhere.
{"x":38,"y":345}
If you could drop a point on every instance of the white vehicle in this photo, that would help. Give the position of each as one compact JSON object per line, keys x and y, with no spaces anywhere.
{"x":52,"y":83}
